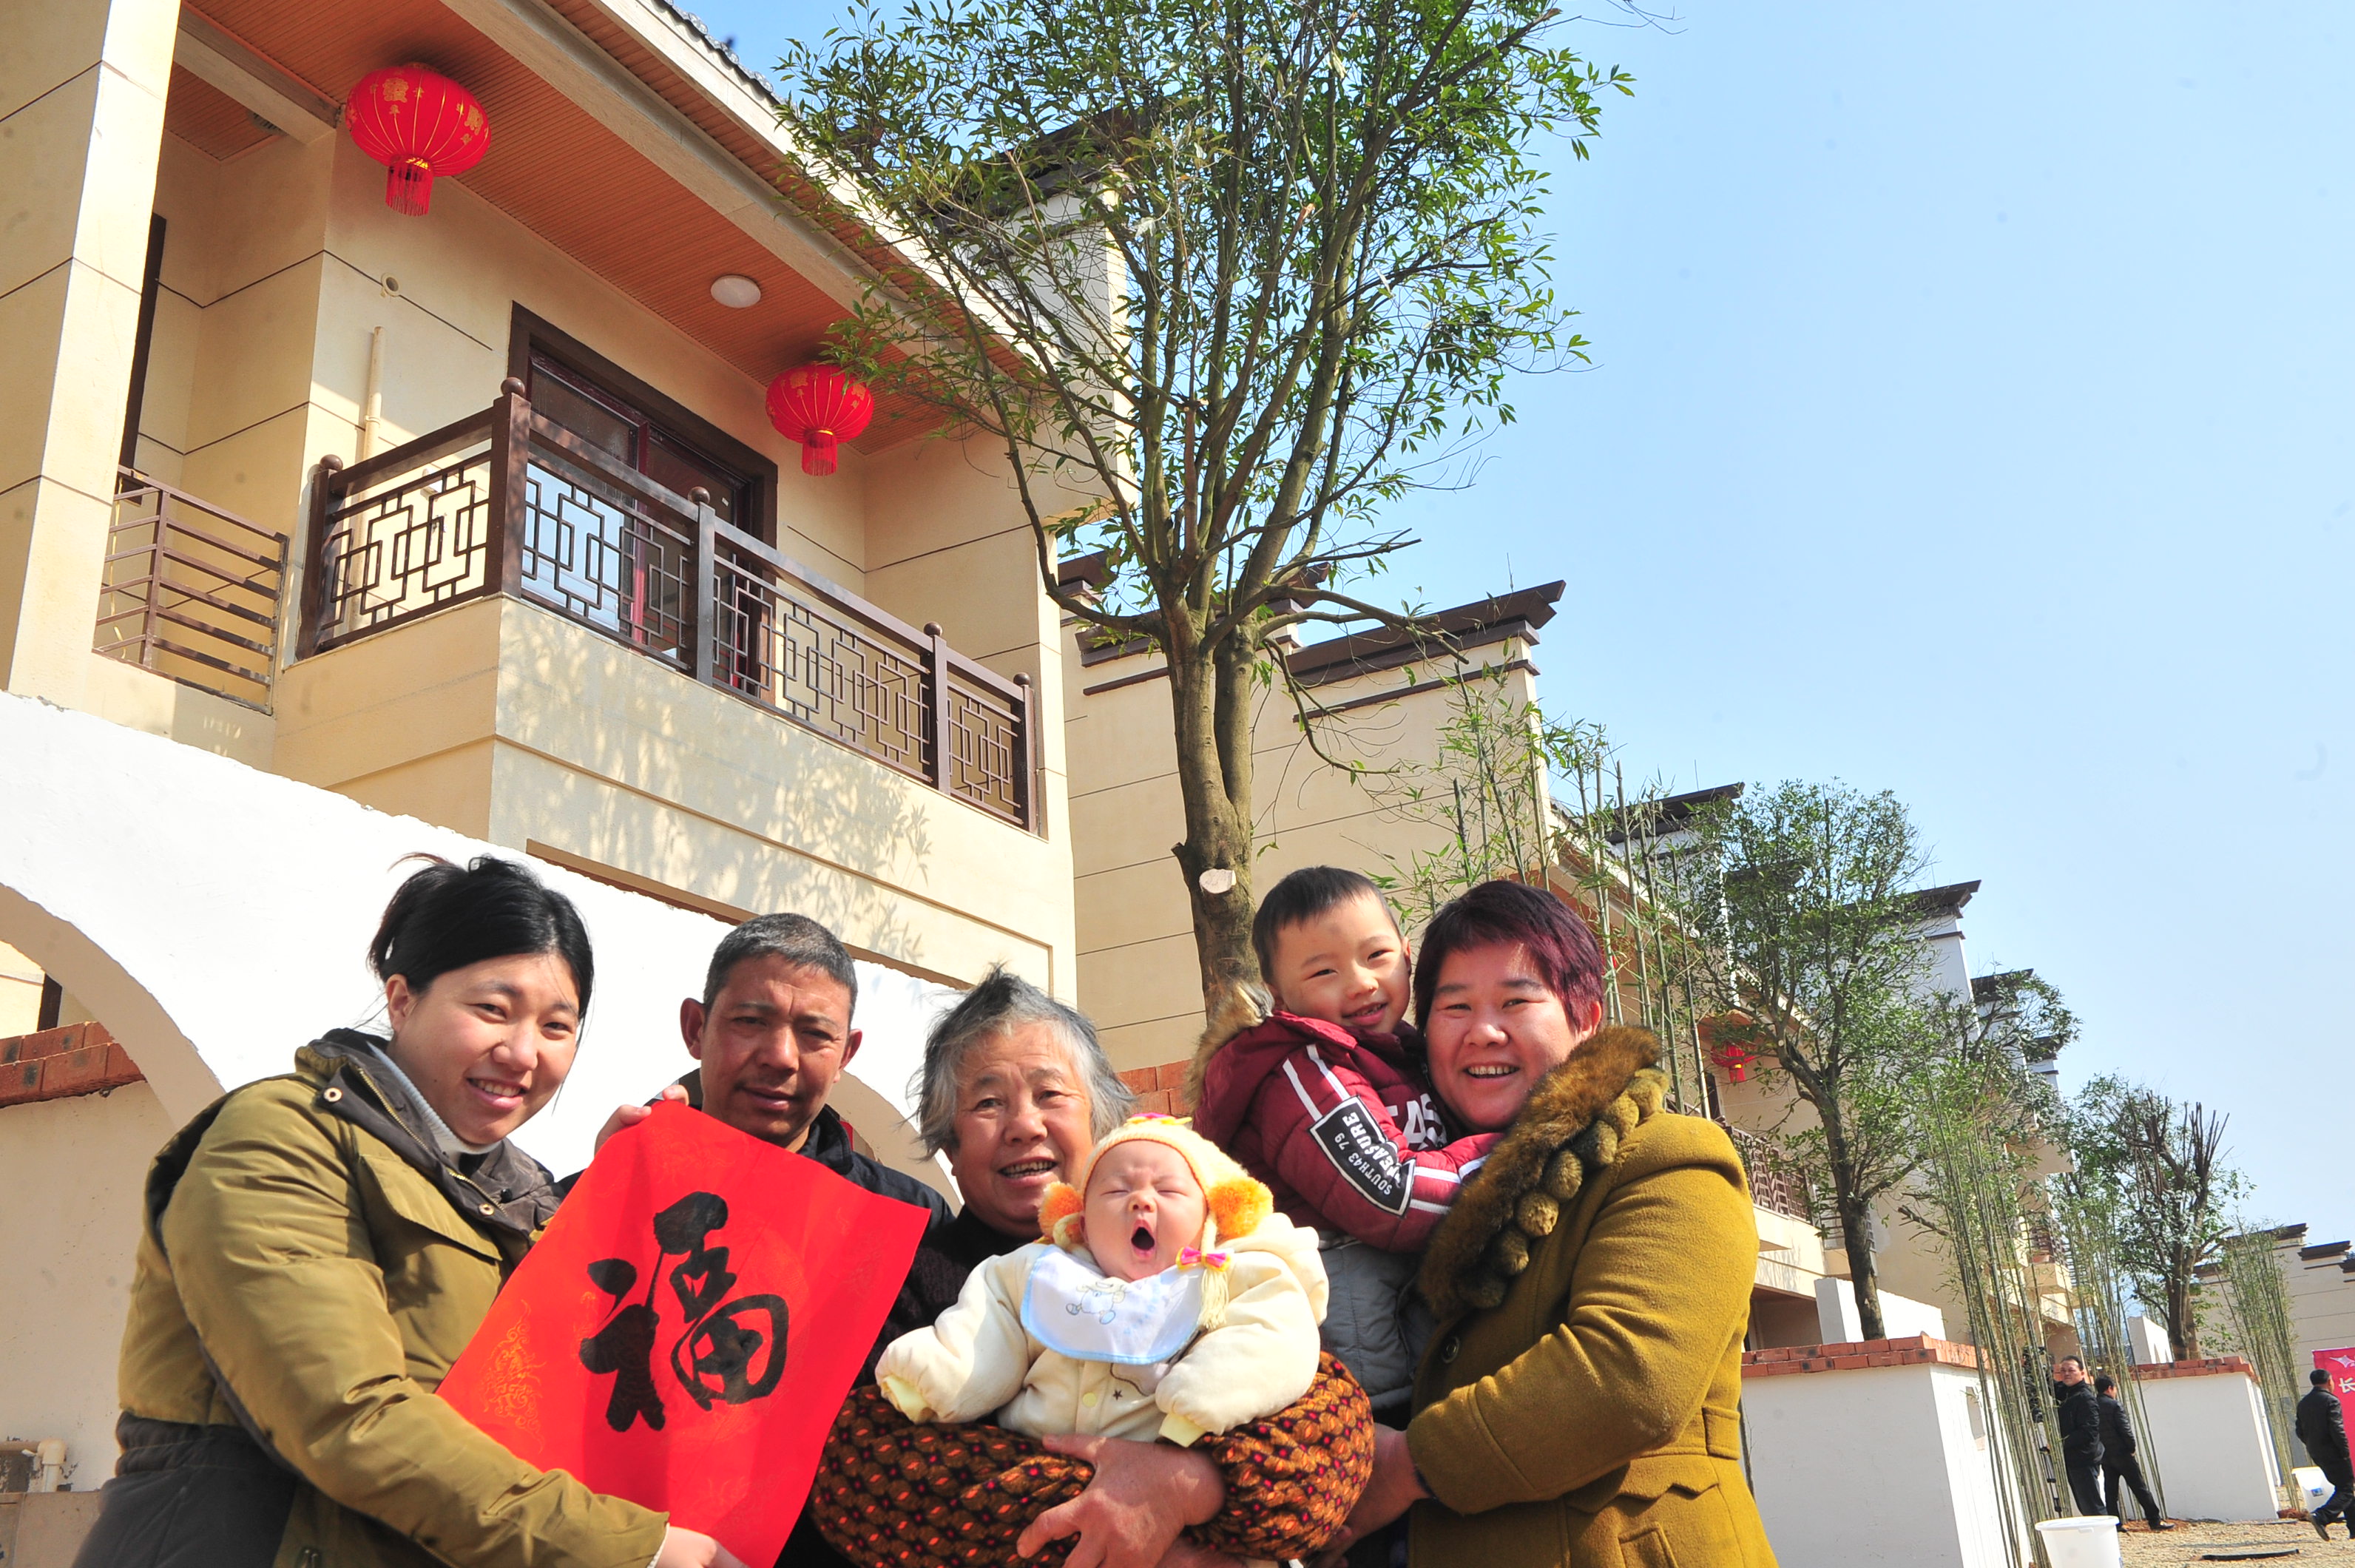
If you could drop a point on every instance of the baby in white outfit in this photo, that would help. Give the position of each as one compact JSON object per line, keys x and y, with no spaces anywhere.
{"x":1168,"y":1301}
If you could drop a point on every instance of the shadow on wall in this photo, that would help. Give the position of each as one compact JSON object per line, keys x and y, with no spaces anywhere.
{"x":818,"y":807}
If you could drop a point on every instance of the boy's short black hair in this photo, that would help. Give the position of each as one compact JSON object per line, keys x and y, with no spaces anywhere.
{"x":2103,"y":1383}
{"x":1304,"y":895}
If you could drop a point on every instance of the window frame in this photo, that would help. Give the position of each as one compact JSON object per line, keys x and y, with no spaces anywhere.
{"x":530,"y":335}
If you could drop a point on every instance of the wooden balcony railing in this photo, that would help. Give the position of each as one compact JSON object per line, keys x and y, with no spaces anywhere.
{"x":191,"y":591}
{"x":1774,"y":1186}
{"x":506,"y":501}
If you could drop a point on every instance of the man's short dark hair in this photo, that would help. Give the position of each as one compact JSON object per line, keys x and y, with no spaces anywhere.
{"x":795,"y":938}
{"x":2104,"y":1384}
{"x":2317,"y":1377}
{"x":1302,"y":896}
{"x":2077,"y":1361}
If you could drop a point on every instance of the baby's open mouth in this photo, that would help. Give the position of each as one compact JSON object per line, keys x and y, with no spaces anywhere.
{"x":1142,"y":1238}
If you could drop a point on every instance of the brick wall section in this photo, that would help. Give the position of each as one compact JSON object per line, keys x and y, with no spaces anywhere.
{"x":1159,"y":1088}
{"x":2207,"y":1367}
{"x":1919,"y":1349}
{"x":57,"y":1063}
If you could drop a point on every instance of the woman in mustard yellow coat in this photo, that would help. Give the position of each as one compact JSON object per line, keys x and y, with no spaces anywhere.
{"x":1579,"y":1403}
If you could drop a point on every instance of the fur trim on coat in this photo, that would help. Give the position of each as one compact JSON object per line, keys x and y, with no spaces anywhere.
{"x":1570,"y":1128}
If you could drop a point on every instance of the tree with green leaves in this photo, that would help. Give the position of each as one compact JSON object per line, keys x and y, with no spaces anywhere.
{"x":1979,"y":1117}
{"x":2163,"y":1162}
{"x":1222,"y":279}
{"x":1801,"y":906}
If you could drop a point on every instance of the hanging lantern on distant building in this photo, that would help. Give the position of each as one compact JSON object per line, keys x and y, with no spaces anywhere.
{"x":1731,"y":1037}
{"x":821,"y":406}
{"x":418,"y":123}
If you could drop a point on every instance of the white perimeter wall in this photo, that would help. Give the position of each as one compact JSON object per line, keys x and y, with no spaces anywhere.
{"x":1901,"y":1317}
{"x":1874,"y":1465}
{"x":72,"y":1171}
{"x":2213,"y":1453}
{"x":215,"y":918}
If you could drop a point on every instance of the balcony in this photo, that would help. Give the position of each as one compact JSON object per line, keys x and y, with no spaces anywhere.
{"x":191,"y":591}
{"x":506,"y":501}
{"x":1773,"y":1187}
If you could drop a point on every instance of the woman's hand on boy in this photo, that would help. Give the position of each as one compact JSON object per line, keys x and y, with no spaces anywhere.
{"x":1142,"y":1496}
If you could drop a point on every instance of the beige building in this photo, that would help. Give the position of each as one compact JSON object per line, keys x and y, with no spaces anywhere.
{"x":2319,"y":1281}
{"x":1383,"y":702}
{"x":474,"y":517}
{"x":477,"y":516}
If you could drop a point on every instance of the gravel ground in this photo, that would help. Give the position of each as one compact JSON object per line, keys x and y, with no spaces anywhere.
{"x":2188,"y":1542}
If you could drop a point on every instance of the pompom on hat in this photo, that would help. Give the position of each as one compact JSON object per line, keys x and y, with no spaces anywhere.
{"x":1235,"y":1201}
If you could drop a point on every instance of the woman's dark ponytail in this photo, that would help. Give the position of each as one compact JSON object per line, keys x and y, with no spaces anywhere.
{"x":444,"y":917}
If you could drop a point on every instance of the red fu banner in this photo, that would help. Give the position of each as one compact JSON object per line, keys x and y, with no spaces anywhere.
{"x":684,"y":1331}
{"x":2341,"y":1365}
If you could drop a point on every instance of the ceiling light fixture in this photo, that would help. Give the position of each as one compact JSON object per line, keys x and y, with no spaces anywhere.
{"x":735,"y":290}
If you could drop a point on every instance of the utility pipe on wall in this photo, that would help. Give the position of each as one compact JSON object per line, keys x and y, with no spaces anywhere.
{"x":372,"y":401}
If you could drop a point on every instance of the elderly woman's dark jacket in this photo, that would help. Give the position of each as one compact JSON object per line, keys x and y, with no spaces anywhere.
{"x":1579,"y":1404}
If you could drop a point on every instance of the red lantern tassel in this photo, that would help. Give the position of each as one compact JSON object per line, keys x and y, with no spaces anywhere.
{"x":408,"y":187}
{"x":817,"y":453}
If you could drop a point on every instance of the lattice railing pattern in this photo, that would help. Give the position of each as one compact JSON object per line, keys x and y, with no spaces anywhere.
{"x":413,"y":545}
{"x":985,"y":749}
{"x":613,"y":562}
{"x":1774,"y":1186}
{"x":844,"y":681}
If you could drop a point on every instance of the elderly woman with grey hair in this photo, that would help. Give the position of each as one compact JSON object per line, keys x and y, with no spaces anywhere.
{"x":1015,"y":1089}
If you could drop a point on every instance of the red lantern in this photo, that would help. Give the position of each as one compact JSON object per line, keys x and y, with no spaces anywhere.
{"x":418,"y":123}
{"x":821,"y":406}
{"x":1733,"y":1040}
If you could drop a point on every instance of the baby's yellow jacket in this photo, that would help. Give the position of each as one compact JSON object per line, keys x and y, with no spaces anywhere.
{"x":978,"y":1358}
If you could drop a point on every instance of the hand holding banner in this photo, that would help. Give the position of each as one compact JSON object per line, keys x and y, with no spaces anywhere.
{"x":684,"y":1331}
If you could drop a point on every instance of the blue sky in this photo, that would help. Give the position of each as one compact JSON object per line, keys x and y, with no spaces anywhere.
{"x":1970,"y":419}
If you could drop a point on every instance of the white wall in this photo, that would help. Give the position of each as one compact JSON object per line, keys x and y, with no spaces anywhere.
{"x":215,"y":917}
{"x":1875,"y":1465}
{"x":2215,"y":1458}
{"x":1901,"y":1317}
{"x":71,"y":1172}
{"x":2148,"y":1342}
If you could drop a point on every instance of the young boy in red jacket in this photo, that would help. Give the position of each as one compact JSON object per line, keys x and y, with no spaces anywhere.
{"x":1323,"y":1099}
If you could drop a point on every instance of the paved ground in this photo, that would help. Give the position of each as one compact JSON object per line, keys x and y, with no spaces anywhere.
{"x":2187,"y":1542}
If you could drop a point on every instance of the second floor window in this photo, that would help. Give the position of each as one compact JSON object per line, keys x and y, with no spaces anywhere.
{"x":610,"y":423}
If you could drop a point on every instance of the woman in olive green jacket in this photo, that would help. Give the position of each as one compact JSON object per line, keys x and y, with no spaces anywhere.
{"x":318,"y":1249}
{"x":1580,"y":1403}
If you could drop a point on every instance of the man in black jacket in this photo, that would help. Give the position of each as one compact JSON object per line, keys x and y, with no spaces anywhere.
{"x":2322,"y":1427}
{"x":2118,"y":1461}
{"x":2080,"y":1434}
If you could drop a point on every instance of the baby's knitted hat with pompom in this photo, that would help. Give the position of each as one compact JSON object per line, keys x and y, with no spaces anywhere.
{"x":1236,"y":1203}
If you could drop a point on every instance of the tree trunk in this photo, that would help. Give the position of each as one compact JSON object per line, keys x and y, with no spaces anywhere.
{"x":1856,"y":1231}
{"x":2182,"y":1329}
{"x":1209,"y":699}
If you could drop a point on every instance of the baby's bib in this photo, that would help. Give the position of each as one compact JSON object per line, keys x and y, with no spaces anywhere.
{"x":1073,"y":1310}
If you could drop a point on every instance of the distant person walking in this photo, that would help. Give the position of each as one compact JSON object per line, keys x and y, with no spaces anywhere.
{"x":2080,"y":1434}
{"x":2118,"y":1461}
{"x":2322,"y":1427}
